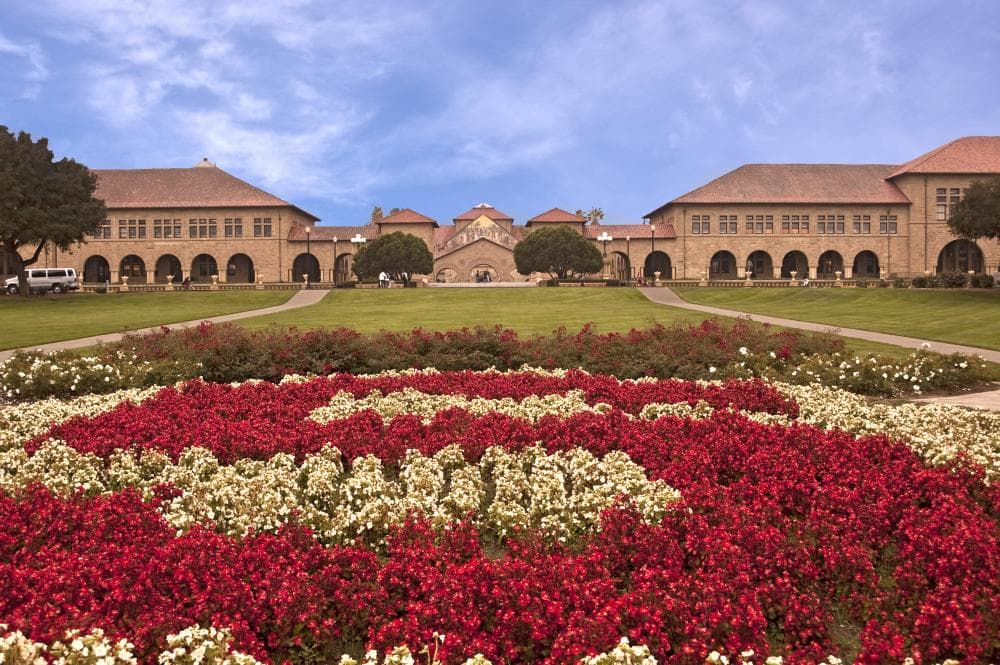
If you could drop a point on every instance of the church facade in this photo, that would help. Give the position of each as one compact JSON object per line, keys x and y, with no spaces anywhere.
{"x":759,"y":221}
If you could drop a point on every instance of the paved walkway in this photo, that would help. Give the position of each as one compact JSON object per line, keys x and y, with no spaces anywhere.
{"x":984,"y":400}
{"x":300,"y":299}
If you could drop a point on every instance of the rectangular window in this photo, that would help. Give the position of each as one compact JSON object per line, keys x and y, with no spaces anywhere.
{"x":723,"y":227}
{"x":732,"y":228}
{"x":805,"y":227}
{"x":785,"y":227}
{"x":887,"y":224}
{"x":856,"y":226}
{"x":262,"y":227}
{"x":821,"y":226}
{"x":123,"y":228}
{"x":768,"y":227}
{"x":706,"y":227}
{"x":840,"y":228}
{"x":760,"y":227}
{"x":695,"y":227}
{"x":103,"y":230}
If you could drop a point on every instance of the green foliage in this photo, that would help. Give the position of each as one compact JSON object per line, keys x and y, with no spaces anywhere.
{"x":394,"y":253}
{"x":42,"y":202}
{"x":593,"y":216}
{"x":560,"y":252}
{"x":977,"y":214}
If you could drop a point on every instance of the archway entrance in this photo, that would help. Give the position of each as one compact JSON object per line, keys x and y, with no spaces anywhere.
{"x":305,"y":264}
{"x":657,"y":262}
{"x":759,"y":265}
{"x":722,"y":266}
{"x":830,"y":263}
{"x":446,"y":275}
{"x":619,"y":266}
{"x":96,"y":269}
{"x":203,"y":267}
{"x":239,"y":269}
{"x":960,"y":256}
{"x":794,"y":261}
{"x":168,"y":265}
{"x":134,"y":268}
{"x":484,"y":274}
{"x":342,"y":269}
{"x":865,"y":265}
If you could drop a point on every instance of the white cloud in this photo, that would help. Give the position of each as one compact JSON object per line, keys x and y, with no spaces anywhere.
{"x":32,"y":71}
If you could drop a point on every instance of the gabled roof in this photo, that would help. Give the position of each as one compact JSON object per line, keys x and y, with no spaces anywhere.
{"x":407,"y":216}
{"x":969,"y":154}
{"x":557,"y":215}
{"x":328,"y":233}
{"x":201,"y":186}
{"x":800,"y":183}
{"x":483,"y":209}
{"x":633,"y":231}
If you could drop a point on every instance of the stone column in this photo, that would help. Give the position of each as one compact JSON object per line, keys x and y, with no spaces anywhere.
{"x":812,"y":272}
{"x":848,"y":272}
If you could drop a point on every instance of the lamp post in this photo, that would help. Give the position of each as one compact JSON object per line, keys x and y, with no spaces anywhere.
{"x":605,"y":238}
{"x":308,"y":253}
{"x":333,"y":271}
{"x":358,"y":241}
{"x":652,"y":247}
{"x":628,"y":257}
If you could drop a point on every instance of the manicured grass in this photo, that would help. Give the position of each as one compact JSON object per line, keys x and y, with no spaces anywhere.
{"x":534,"y":310}
{"x":38,"y":320}
{"x":959,"y":316}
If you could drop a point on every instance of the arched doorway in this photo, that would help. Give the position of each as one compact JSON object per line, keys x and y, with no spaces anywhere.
{"x":795,"y":261}
{"x":865,"y":265}
{"x":239,"y":269}
{"x":722,"y":266}
{"x":830,"y":263}
{"x":305,"y":264}
{"x":134,"y":268}
{"x":657,"y":262}
{"x":759,"y":265}
{"x":166,"y":266}
{"x":96,"y":270}
{"x":446,"y":275}
{"x":619,"y":266}
{"x":960,"y":256}
{"x":342,"y":268}
{"x":484,"y":274}
{"x":203,"y":267}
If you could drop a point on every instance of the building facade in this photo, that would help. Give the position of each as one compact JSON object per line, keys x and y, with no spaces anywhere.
{"x":762,"y":221}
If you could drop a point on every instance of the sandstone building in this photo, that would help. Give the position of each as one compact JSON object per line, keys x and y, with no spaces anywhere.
{"x":760,"y":220}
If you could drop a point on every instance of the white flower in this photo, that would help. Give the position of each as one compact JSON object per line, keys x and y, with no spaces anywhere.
{"x":711,"y":370}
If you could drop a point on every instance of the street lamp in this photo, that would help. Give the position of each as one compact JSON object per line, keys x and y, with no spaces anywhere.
{"x":628,"y":257}
{"x":605,"y":238}
{"x":358,"y":241}
{"x":333,"y":271}
{"x":308,"y":253}
{"x":652,"y":247}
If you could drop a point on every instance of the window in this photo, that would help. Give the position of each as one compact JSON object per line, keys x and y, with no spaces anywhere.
{"x":103,"y":231}
{"x":234,"y":228}
{"x":262,"y":227}
{"x":887,"y":224}
{"x":862,"y":224}
{"x":727,"y":224}
{"x":696,"y":224}
{"x":131,"y":228}
{"x":945,"y":200}
{"x":202,"y":228}
{"x":768,"y":224}
{"x":166,"y":228}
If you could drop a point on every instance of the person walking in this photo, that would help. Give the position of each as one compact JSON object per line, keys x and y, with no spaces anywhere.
{"x":383,"y":280}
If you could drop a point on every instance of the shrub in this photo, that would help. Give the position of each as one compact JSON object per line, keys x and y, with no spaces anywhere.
{"x":982,"y":281}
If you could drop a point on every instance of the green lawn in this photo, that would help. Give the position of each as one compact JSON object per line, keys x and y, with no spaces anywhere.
{"x":959,"y":316}
{"x":38,"y":320}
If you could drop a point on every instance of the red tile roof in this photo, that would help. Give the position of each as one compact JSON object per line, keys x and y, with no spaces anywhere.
{"x":633,"y":231}
{"x":203,"y":186}
{"x":328,"y":233}
{"x":967,"y":155}
{"x":408,"y":216}
{"x":557,"y":215}
{"x":799,"y":183}
{"x":483,"y":209}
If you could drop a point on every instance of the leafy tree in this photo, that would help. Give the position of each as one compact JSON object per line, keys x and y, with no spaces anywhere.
{"x":377,"y":215}
{"x":559,"y":251}
{"x":42,"y":202}
{"x":593,"y":216}
{"x":977,"y":214}
{"x":396,"y":253}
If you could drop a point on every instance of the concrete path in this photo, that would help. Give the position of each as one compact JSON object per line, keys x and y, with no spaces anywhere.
{"x":300,"y":299}
{"x":983,"y":400}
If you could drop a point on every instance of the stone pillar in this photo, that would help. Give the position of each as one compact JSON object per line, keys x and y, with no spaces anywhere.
{"x":812,"y":272}
{"x":741,"y":273}
{"x":848,"y":272}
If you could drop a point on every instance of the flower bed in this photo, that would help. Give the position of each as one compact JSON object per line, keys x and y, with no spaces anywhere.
{"x":532,"y":517}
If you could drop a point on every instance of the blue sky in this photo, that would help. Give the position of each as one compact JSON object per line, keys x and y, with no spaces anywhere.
{"x":439,"y":105}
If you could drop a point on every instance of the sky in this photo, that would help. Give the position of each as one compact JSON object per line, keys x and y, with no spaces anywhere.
{"x":439,"y":105}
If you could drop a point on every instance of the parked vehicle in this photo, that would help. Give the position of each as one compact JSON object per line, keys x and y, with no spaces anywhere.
{"x":57,"y":280}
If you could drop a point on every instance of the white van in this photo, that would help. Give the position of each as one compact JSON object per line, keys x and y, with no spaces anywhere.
{"x":57,"y":280}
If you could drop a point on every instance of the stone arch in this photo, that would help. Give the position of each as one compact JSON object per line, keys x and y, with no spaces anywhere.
{"x":446,"y":275}
{"x":865,"y":265}
{"x":759,"y":265}
{"x":722,"y":266}
{"x":203,"y":267}
{"x":168,"y":265}
{"x":342,"y":268}
{"x":619,"y":266}
{"x":239,"y":269}
{"x":960,"y":256}
{"x":657,"y":262}
{"x":795,"y":261}
{"x":830,"y":263}
{"x":305,"y":264}
{"x":133,"y":267}
{"x":96,"y":269}
{"x":484,"y":273}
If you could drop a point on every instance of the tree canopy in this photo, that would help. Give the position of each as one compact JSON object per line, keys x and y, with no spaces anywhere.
{"x":977,"y":214}
{"x":560,"y":251}
{"x":394,"y":253}
{"x":42,"y":202}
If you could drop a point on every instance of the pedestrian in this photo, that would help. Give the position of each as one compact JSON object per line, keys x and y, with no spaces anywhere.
{"x":383,"y":280}
{"x":186,"y":284}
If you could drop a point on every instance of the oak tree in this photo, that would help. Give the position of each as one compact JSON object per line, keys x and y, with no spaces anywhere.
{"x":396,"y":253}
{"x":560,"y":251}
{"x":977,"y":214}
